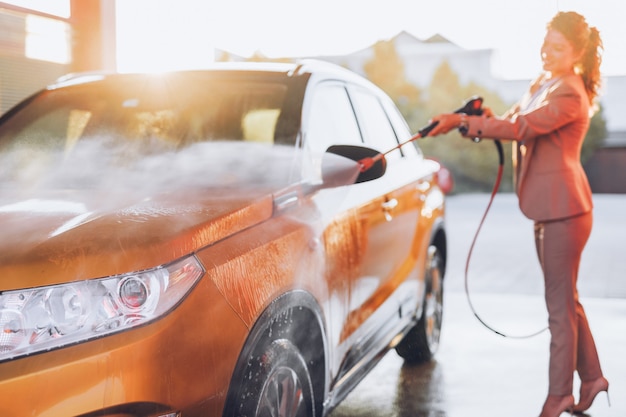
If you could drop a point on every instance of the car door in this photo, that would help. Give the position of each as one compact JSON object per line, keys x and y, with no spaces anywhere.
{"x":349,"y":215}
{"x":392,"y":220}
{"x":364,"y":247}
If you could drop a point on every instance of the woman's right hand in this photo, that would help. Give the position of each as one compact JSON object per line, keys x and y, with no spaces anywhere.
{"x":448,"y":121}
{"x":445,"y":123}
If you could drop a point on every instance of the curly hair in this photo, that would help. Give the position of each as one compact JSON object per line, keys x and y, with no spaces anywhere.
{"x":585,"y":39}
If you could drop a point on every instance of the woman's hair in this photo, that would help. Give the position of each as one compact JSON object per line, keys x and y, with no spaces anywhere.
{"x":584,"y":39}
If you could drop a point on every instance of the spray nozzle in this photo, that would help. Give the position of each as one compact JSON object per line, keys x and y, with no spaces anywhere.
{"x":472,"y":107}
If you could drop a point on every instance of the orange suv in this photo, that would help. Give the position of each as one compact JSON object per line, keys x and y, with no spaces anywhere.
{"x":208,"y":243}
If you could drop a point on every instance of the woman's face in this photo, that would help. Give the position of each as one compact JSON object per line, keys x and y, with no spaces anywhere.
{"x":557,"y":54}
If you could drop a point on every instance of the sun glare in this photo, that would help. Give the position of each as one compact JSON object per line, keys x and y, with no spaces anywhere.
{"x":153,"y":36}
{"x":162,"y":35}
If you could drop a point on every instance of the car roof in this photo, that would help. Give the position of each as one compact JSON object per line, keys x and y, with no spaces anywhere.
{"x":305,"y":67}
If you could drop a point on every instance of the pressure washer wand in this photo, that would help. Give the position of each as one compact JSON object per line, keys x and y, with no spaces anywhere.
{"x":472,"y":107}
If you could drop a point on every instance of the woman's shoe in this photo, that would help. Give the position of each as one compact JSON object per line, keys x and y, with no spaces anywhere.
{"x":588,"y":392}
{"x":555,"y":405}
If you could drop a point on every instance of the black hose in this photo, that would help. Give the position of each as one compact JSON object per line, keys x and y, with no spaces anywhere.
{"x":471,"y":249}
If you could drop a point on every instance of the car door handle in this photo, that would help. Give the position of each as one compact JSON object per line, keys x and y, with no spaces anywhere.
{"x":388,"y":207}
{"x":422,"y":188}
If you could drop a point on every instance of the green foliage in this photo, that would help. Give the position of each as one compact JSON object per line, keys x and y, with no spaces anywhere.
{"x":595,"y":136}
{"x":386,"y":70}
{"x":473,"y":165}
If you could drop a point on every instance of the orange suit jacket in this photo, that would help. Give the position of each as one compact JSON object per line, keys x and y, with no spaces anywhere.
{"x":550,"y":182}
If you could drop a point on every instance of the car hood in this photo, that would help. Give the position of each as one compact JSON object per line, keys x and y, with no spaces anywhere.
{"x":79,"y":235}
{"x":86,"y":220}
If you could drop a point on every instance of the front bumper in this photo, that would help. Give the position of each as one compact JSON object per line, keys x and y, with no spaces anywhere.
{"x":179,"y":365}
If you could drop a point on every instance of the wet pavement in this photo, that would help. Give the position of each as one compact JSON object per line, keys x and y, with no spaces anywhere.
{"x":477,"y":373}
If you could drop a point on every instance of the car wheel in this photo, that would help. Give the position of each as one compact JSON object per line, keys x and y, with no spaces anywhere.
{"x":278,"y":383}
{"x":422,"y":341}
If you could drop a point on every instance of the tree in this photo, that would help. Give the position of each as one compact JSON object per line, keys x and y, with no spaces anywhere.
{"x":595,"y":136}
{"x":386,"y":70}
{"x":473,"y":165}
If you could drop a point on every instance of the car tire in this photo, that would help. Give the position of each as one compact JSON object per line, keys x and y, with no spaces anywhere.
{"x":278,"y":383}
{"x":422,"y":341}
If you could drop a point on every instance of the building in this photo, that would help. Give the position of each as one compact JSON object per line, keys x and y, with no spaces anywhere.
{"x":37,"y":47}
{"x":22,"y":71}
{"x":606,"y":168}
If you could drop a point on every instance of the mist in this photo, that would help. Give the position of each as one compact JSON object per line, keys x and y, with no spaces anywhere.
{"x":101,"y":164}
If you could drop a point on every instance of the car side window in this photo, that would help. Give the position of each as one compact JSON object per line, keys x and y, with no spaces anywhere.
{"x":377,"y":130}
{"x":403,"y":133}
{"x":331,"y":118}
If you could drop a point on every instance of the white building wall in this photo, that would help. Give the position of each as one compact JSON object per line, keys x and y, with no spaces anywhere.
{"x":613,"y":99}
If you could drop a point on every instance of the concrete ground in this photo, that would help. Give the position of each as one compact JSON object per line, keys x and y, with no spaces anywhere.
{"x":478,"y":373}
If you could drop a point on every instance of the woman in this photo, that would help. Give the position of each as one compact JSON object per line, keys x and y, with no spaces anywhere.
{"x":548,"y":127}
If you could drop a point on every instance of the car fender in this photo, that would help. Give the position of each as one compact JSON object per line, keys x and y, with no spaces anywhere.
{"x":294,"y":316}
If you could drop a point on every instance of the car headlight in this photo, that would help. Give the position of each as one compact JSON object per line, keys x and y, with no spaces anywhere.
{"x":45,"y":318}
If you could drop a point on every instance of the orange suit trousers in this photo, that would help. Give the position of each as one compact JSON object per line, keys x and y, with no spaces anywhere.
{"x":560,"y":245}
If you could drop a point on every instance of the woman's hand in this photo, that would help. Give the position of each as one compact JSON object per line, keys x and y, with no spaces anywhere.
{"x":448,"y":121}
{"x":487,"y":112}
{"x":445,"y":123}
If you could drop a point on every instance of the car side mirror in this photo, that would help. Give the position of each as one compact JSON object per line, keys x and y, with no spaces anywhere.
{"x":357,"y":154}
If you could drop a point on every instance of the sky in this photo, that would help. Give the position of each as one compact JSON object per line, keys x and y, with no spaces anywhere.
{"x":173,"y":34}
{"x":158,"y":35}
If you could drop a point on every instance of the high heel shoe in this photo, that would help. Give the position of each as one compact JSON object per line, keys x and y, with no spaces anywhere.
{"x":588,"y":392}
{"x":555,"y":405}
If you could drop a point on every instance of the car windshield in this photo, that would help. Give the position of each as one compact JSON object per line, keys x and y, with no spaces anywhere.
{"x":125,"y":119}
{"x":171,"y":111}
